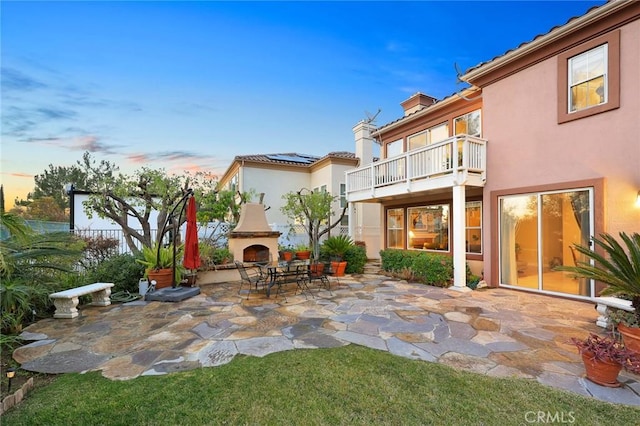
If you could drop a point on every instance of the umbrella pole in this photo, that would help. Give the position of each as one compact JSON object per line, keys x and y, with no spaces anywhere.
{"x":182,"y":201}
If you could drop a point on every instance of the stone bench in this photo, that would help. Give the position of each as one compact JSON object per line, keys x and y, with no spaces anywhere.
{"x":66,"y":302}
{"x":604,"y":303}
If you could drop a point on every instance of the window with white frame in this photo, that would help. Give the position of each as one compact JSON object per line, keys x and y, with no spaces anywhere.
{"x":432,"y":135}
{"x":395,"y":228}
{"x":428,"y":227}
{"x":473,"y":227}
{"x":394,"y":148}
{"x":469,"y":124}
{"x":588,"y":79}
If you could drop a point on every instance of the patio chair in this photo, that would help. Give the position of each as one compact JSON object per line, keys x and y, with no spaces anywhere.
{"x":317,"y":273}
{"x":252,"y":276}
{"x":303,"y":279}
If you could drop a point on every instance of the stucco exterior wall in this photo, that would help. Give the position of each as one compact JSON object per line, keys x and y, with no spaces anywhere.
{"x":273,"y":183}
{"x":528,"y":148}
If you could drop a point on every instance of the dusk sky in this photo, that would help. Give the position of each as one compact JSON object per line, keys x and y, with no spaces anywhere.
{"x":190,"y":85}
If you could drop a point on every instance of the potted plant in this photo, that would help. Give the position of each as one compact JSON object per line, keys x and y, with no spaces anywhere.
{"x":286,"y":253}
{"x":303,"y":251}
{"x":619,"y":268}
{"x":158,"y":264}
{"x":336,"y":247}
{"x":604,"y":357}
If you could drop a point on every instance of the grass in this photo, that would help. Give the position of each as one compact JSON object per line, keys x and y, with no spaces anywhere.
{"x":347,"y":385}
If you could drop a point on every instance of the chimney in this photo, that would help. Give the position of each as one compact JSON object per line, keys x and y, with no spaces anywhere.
{"x":364,"y":142}
{"x":417,"y":102}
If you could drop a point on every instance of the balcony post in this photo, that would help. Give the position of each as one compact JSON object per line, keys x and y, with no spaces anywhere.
{"x":459,"y":247}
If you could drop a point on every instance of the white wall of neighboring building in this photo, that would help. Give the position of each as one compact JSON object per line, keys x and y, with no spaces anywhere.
{"x":273,"y":183}
{"x":82,"y":221}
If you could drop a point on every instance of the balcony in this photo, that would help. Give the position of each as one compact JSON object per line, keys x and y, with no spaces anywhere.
{"x":459,"y":160}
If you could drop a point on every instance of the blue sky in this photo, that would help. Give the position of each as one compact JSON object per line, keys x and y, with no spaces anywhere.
{"x":190,"y":85}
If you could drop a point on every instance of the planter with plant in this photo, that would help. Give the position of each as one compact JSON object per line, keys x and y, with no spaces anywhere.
{"x":604,"y":357}
{"x":302,"y":252}
{"x":335,"y":248}
{"x":285,"y":253}
{"x":158,"y":264}
{"x":619,"y":268}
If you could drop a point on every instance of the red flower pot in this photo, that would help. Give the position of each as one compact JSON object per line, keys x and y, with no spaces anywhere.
{"x":604,"y":373}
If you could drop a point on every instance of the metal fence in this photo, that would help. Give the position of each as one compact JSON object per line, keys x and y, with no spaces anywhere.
{"x":290,"y":236}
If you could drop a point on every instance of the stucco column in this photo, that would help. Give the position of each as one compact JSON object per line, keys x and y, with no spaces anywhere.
{"x":459,"y":249}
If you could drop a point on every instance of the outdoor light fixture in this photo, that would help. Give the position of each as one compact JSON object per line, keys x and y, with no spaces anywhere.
{"x":11,"y":372}
{"x":638,"y":200}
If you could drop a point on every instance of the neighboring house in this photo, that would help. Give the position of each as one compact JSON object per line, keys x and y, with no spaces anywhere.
{"x":277,"y":174}
{"x":540,"y":153}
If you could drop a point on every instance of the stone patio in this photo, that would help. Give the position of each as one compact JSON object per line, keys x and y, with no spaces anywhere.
{"x":496,"y":332}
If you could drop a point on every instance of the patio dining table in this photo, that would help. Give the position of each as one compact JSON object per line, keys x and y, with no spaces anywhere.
{"x":281,"y":272}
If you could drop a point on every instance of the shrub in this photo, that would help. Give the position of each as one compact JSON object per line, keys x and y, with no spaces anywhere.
{"x":433,"y":269}
{"x":356,"y":258}
{"x":428,"y":268}
{"x":394,"y":260}
{"x":98,"y":249}
{"x":122,"y":270}
{"x":221,"y":256}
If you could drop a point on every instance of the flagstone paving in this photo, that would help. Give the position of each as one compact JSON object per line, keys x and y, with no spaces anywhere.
{"x":497,"y":332}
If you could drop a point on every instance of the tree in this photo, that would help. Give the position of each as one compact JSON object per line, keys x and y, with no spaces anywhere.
{"x":45,"y":208}
{"x":51,"y":183}
{"x":312,"y":210}
{"x":125,"y":197}
{"x":219,"y":207}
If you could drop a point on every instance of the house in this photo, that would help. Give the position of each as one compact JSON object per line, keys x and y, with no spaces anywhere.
{"x":277,"y":174}
{"x":541,"y":152}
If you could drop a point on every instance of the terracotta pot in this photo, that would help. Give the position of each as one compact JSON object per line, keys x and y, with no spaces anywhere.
{"x":630,"y":337}
{"x":303,"y":255}
{"x":162,"y":277}
{"x":286,"y":255}
{"x":603,"y":373}
{"x":338,"y":268}
{"x":317,"y":268}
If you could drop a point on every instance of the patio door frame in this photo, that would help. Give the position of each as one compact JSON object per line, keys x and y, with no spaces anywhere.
{"x":539,"y":218}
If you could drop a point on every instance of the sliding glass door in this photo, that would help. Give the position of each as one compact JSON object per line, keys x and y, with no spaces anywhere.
{"x":537,"y":233}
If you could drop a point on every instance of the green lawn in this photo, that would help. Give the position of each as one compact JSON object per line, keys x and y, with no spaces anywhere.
{"x":347,"y":385}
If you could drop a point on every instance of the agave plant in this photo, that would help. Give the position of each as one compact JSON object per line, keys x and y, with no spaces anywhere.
{"x":619,"y":267}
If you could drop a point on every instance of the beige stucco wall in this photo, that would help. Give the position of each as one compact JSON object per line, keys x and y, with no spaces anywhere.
{"x":527,"y":147}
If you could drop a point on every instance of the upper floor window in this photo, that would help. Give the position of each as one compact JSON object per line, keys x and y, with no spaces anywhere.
{"x":468,"y":124}
{"x":394,"y":148}
{"x":233,"y":183}
{"x":429,"y":136}
{"x":343,"y":195}
{"x":588,"y":79}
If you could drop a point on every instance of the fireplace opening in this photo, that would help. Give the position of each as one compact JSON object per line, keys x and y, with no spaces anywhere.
{"x":256,"y":253}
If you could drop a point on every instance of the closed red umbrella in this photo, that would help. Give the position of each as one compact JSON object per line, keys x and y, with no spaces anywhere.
{"x":191,"y":251}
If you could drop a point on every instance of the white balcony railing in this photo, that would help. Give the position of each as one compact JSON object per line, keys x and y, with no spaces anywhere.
{"x":458,"y":160}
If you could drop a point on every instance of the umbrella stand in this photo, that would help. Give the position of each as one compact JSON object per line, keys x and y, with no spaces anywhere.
{"x":183,"y":204}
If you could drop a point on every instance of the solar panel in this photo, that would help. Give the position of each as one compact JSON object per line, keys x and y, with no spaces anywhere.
{"x":303,"y":159}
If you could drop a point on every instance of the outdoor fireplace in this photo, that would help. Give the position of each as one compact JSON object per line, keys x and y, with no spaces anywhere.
{"x":252,"y":240}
